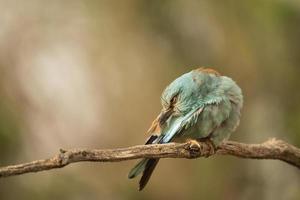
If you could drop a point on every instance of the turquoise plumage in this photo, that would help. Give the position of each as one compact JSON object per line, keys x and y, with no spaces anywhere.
{"x":200,"y":104}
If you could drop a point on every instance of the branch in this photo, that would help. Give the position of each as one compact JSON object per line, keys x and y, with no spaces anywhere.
{"x":271,"y":149}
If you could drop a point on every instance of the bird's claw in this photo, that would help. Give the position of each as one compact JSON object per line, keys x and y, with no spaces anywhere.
{"x":194,"y":148}
{"x":212,"y":148}
{"x":209,"y":149}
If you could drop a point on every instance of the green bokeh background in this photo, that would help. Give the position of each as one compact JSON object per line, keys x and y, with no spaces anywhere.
{"x":90,"y":74}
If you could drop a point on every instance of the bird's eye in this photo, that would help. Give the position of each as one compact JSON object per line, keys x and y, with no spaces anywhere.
{"x":174,"y":99}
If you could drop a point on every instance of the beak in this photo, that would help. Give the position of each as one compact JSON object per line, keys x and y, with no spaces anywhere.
{"x":164,"y":115}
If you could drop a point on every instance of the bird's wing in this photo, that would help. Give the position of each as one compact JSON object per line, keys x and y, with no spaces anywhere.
{"x":182,"y":123}
{"x":208,"y":117}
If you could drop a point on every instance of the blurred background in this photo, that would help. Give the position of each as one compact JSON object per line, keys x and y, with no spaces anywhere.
{"x":90,"y":74}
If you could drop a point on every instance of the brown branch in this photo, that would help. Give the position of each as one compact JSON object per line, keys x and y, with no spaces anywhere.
{"x":271,"y":149}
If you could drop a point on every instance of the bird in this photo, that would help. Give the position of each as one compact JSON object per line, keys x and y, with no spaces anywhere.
{"x":200,"y":104}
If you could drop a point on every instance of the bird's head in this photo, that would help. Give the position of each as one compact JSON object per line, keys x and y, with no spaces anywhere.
{"x":188,"y":91}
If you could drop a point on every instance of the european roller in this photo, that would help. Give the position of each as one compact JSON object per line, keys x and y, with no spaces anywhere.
{"x":199,"y":105}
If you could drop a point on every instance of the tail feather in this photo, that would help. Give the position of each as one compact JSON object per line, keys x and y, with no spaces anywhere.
{"x":150,"y":166}
{"x":146,"y":165}
{"x":138,"y":168}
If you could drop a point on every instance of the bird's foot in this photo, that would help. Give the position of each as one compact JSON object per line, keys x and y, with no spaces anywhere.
{"x":209,"y":148}
{"x":194,"y":148}
{"x":201,"y":147}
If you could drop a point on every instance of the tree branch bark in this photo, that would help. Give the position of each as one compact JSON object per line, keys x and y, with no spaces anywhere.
{"x":271,"y":149}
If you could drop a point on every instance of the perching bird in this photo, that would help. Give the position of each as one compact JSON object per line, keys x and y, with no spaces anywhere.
{"x":201,"y":104}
